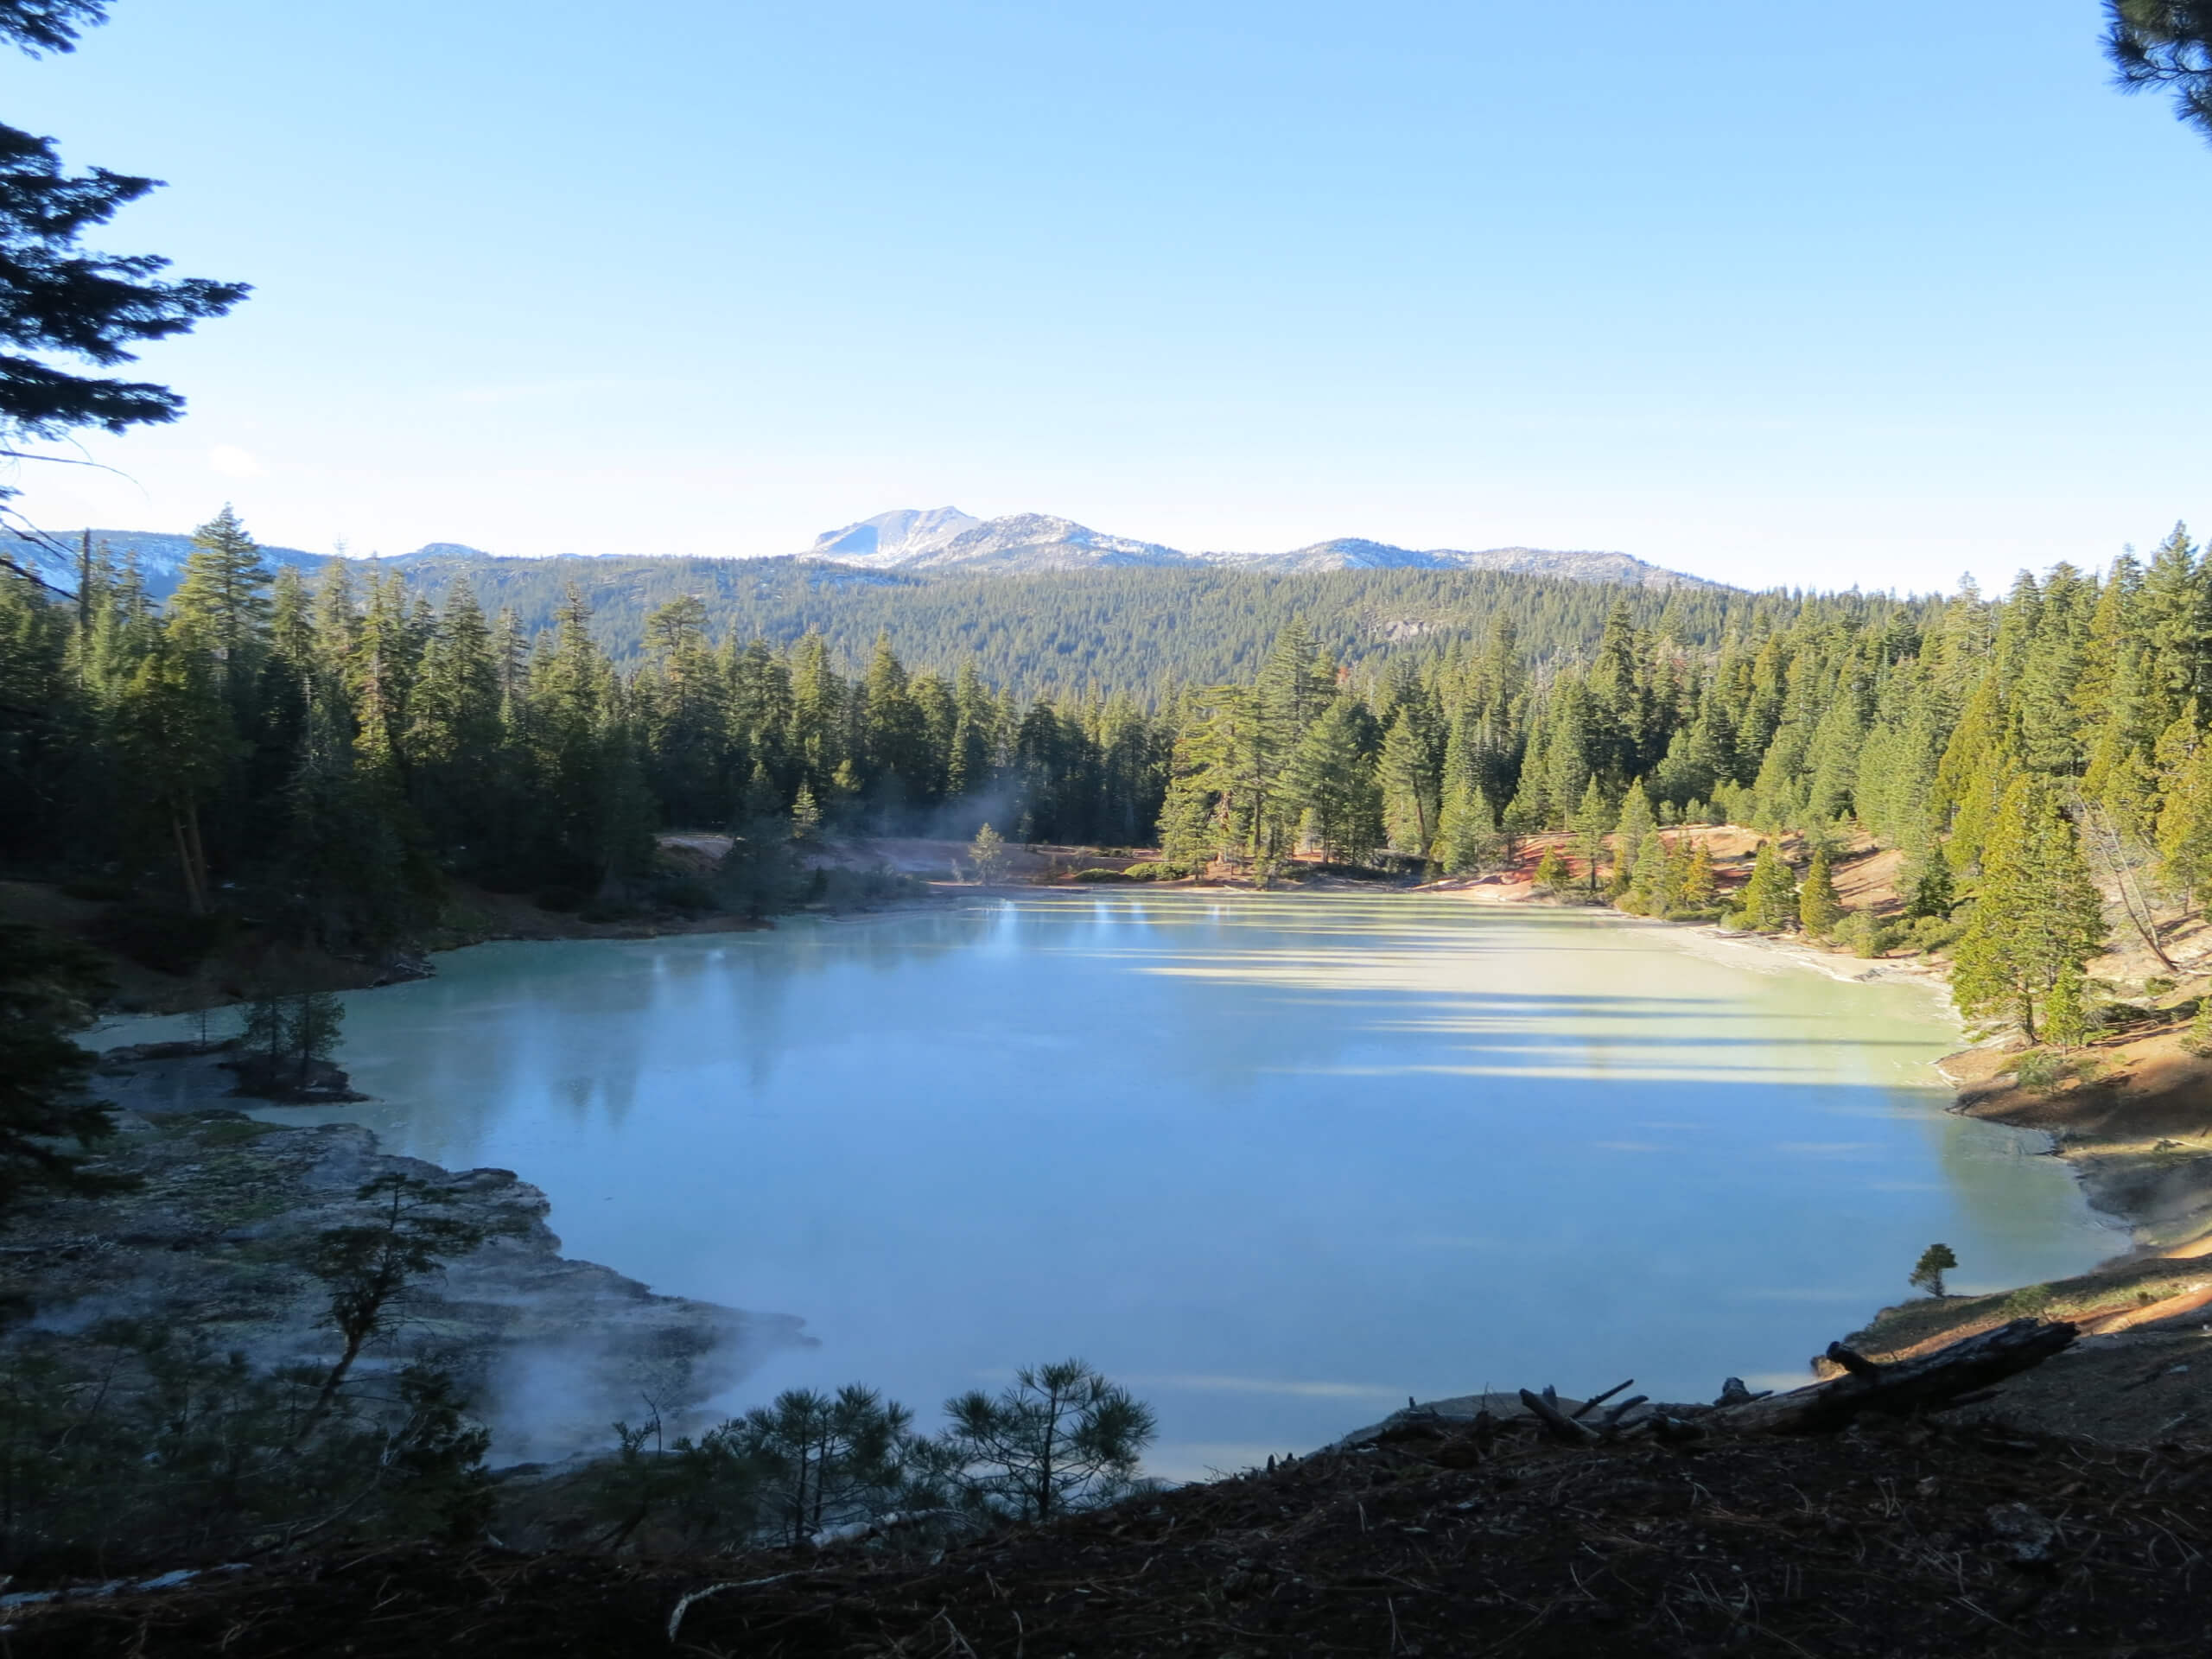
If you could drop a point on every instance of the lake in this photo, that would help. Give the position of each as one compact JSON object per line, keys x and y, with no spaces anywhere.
{"x":1277,"y":1162}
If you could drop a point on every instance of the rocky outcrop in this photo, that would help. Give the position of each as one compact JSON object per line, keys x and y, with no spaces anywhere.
{"x":213,"y":1241}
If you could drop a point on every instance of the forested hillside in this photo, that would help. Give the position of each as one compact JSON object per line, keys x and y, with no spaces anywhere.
{"x":342,"y":748}
{"x":1138,"y":632}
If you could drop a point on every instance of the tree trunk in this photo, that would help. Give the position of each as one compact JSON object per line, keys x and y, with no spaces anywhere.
{"x":196,"y":897}
{"x":1927,"y":1383}
{"x":331,"y":1384}
{"x":2104,"y":837}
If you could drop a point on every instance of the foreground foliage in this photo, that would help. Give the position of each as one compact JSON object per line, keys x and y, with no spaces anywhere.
{"x":146,"y":1440}
{"x":1909,"y":1540}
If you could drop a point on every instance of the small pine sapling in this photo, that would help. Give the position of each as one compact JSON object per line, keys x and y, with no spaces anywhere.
{"x":1927,"y":1272}
{"x":988,"y":854}
{"x":1552,"y":872}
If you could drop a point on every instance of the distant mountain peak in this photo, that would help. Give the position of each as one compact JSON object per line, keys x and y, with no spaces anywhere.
{"x":946,"y":539}
{"x":442,"y":551}
{"x":902,"y":534}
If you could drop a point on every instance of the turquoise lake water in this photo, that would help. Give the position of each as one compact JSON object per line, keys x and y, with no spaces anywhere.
{"x":1277,"y":1162}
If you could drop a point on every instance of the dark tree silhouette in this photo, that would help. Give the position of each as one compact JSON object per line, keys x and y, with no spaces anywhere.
{"x":2160,"y":43}
{"x":48,"y":985}
{"x":59,"y":300}
{"x":49,"y":25}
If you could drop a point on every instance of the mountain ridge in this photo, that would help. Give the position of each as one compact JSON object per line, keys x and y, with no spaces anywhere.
{"x":945,"y":538}
{"x":923,"y":543}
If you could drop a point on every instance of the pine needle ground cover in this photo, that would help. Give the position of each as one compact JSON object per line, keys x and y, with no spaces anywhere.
{"x":1890,"y":1539}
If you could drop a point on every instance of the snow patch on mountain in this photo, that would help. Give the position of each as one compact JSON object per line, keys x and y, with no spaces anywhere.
{"x":944,"y":539}
{"x":888,"y":538}
{"x":161,"y":556}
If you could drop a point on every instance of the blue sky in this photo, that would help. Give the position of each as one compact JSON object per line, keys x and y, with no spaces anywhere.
{"x":1815,"y":295}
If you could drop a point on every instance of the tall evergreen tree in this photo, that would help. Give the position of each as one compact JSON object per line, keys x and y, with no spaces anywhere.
{"x":1409,"y":803}
{"x":222,"y":605}
{"x":1330,"y":781}
{"x":1635,"y":822}
{"x":1819,"y":910}
{"x":48,"y":985}
{"x":1768,"y":902}
{"x":2036,"y":913}
{"x":174,"y":732}
{"x":1593,"y":822}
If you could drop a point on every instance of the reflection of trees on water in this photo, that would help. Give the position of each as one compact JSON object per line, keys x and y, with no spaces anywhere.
{"x":1374,"y":989}
{"x":582,"y":1022}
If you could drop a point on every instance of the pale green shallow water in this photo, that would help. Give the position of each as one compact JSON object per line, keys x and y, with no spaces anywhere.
{"x":1277,"y":1162}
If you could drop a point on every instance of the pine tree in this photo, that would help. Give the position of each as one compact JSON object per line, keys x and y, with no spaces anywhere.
{"x":1466,"y":833}
{"x":452,"y":723}
{"x":222,"y":604}
{"x":173,"y":731}
{"x":2036,"y":912}
{"x":1700,"y":892}
{"x":1927,"y":1272}
{"x":2066,"y":1009}
{"x":1656,"y":886}
{"x":68,"y":301}
{"x":261,"y":1035}
{"x":312,"y":1022}
{"x":823,"y":1461}
{"x":806,"y":816}
{"x":1593,"y":822}
{"x":48,"y":985}
{"x":1408,"y":790}
{"x":1574,"y":746}
{"x":1636,"y":822}
{"x":1288,"y":696}
{"x":1330,"y":782}
{"x":815,"y":735}
{"x":987,"y":853}
{"x":2184,"y":827}
{"x":1188,"y":828}
{"x":1929,"y":891}
{"x":1060,"y":1437}
{"x":1818,"y":908}
{"x":971,"y":760}
{"x":896,"y":736}
{"x":1552,"y":872}
{"x":2165,"y":44}
{"x":683,"y":717}
{"x":1769,"y":902}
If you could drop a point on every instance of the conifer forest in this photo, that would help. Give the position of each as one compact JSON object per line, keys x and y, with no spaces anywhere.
{"x":338,"y":750}
{"x":1548,"y":1040}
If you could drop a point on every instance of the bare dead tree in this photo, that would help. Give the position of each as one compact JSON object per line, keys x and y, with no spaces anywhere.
{"x":2119,"y":866}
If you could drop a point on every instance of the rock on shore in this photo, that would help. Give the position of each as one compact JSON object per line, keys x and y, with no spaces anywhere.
{"x":549,"y":1350}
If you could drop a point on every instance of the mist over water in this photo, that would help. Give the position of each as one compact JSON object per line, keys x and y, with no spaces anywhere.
{"x":1277,"y":1162}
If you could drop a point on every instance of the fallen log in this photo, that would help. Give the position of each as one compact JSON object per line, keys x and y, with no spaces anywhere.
{"x":1556,"y":1423}
{"x":1929,"y":1383}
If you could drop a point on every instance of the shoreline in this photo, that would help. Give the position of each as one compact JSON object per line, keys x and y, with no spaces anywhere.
{"x":226,"y":1215}
{"x":2127,"y":1178}
{"x":2141,"y":1157}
